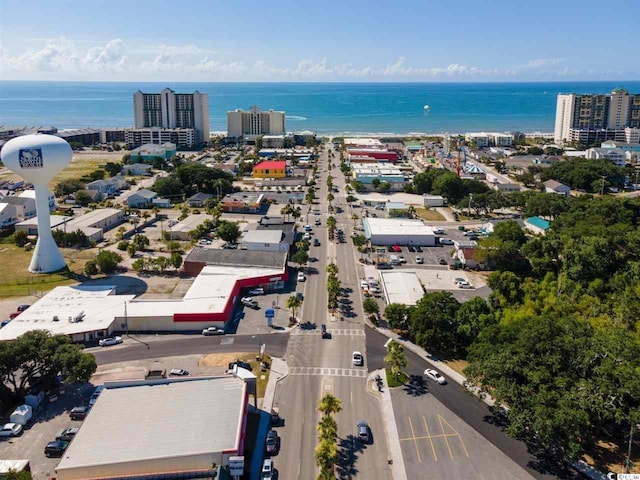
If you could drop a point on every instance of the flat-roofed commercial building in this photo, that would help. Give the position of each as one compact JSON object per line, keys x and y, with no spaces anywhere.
{"x":398,"y":231}
{"x":84,"y":313}
{"x":169,"y":428}
{"x":401,"y":287}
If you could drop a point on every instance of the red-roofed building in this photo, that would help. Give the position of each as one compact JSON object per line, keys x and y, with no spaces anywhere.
{"x":378,"y":154}
{"x":270,"y":169}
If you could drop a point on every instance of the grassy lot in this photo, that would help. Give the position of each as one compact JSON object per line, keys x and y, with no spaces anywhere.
{"x":396,"y":381}
{"x":429,"y":215}
{"x":18,"y":281}
{"x":458,"y":365}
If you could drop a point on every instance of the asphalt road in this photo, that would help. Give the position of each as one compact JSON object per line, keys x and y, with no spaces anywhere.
{"x":156,"y":346}
{"x":318,"y":366}
{"x":470,"y":409}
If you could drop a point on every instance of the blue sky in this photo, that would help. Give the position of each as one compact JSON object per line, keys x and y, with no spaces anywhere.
{"x":329,"y":40}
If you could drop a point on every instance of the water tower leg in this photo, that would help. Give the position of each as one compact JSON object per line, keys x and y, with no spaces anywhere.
{"x":46,"y":256}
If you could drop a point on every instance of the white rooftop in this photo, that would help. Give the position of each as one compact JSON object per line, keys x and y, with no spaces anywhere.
{"x":180,"y":418}
{"x":55,"y":220}
{"x":190,"y":223}
{"x":97,"y":306}
{"x":262,"y":236}
{"x":401,"y":287}
{"x":370,"y":142}
{"x":396,"y":226}
{"x":91,"y":218}
{"x":208,"y":293}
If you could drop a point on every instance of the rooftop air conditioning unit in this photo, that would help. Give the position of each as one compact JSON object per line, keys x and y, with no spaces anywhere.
{"x":55,"y":318}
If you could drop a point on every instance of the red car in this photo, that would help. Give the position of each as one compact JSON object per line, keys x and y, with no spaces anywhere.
{"x":14,"y":315}
{"x":396,"y":248}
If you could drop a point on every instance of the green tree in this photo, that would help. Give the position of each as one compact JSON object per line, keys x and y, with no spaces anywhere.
{"x":301,"y":257}
{"x":83,"y":198}
{"x":327,"y":429}
{"x":473,"y":317}
{"x":396,"y":315}
{"x":13,"y":475}
{"x":383,"y":187}
{"x":36,"y":357}
{"x":67,"y":187}
{"x":20,"y":238}
{"x":107,"y":260}
{"x":132,"y":248}
{"x":141,"y":241}
{"x":228,"y":231}
{"x":175,"y":260}
{"x":293,"y":303}
{"x":370,"y":306}
{"x":432,"y":321}
{"x":396,"y":358}
{"x":123,"y":245}
{"x":113,"y":168}
{"x":326,"y":455}
{"x":90,"y":268}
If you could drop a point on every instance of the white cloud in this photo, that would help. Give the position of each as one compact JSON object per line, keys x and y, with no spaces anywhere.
{"x":113,"y":60}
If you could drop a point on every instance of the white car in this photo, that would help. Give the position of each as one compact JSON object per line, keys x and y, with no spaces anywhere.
{"x":358,"y":359}
{"x":435,"y":376}
{"x":419,"y":260}
{"x":364,"y":285}
{"x":212,"y":331}
{"x":107,"y":342}
{"x":301,"y":277}
{"x":11,"y":430}
{"x":446,"y":241}
{"x":465,"y":285}
{"x":249,"y":302}
{"x":438,"y":231}
{"x":179,"y":372}
{"x":459,"y":280}
{"x":306,"y":236}
{"x":256,"y":291}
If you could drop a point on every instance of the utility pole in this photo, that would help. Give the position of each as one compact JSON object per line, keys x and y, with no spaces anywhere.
{"x":627,"y":466}
{"x":602,"y":190}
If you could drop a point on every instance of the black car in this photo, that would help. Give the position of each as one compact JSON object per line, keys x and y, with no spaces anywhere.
{"x":272,"y":442}
{"x":411,"y":248}
{"x":78,"y":413}
{"x":442,"y":261}
{"x":55,"y":448}
{"x":390,"y":248}
{"x":323,"y":331}
{"x":240,"y":364}
{"x":418,"y":249}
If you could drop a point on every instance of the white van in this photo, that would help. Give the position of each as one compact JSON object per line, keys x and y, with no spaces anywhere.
{"x":267,"y":470}
{"x":394,"y":260}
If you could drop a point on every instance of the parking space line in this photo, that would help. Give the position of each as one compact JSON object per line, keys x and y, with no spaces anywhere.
{"x":445,"y":436}
{"x":415,"y":442}
{"x":459,"y":437}
{"x":433,"y":449}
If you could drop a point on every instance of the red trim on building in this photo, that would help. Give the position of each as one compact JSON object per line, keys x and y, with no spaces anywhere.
{"x":271,"y":165}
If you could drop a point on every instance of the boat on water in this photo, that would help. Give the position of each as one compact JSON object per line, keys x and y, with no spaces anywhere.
{"x":427,"y":108}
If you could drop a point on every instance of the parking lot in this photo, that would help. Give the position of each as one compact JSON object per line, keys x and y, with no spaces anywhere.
{"x":45,"y":423}
{"x":435,"y":440}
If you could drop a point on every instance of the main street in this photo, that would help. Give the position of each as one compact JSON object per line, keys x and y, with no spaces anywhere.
{"x":318,"y":366}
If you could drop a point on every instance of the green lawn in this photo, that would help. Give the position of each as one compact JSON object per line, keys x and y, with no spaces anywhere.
{"x":398,"y":381}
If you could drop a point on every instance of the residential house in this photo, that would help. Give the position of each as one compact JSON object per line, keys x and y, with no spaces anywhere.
{"x":198,"y":200}
{"x":264,"y":241}
{"x":137,"y":169}
{"x":242,"y":202}
{"x":105,"y":187}
{"x":553,"y":186}
{"x":25,"y":207}
{"x":142,"y":198}
{"x":7,"y":215}
{"x":32,"y":194}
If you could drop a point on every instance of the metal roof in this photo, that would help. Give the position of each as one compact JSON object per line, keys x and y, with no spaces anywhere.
{"x":246,"y":258}
{"x":157,"y":420}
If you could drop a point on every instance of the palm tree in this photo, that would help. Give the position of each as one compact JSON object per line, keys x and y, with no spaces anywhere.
{"x":286,"y":211}
{"x":395,"y":358}
{"x":293,"y":303}
{"x":411,"y":211}
{"x":332,"y":269}
{"x":329,"y":404}
{"x":326,"y":455}
{"x":155,"y":211}
{"x":327,"y":429}
{"x":297,"y":213}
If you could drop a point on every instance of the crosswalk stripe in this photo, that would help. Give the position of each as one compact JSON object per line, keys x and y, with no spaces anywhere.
{"x":338,"y":331}
{"x":328,"y":372}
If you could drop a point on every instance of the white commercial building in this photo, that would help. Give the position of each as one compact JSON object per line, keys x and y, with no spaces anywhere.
{"x":616,"y":155}
{"x":168,"y":428}
{"x":398,"y":231}
{"x":170,"y":110}
{"x":401,"y":287}
{"x":181,"y":137}
{"x":264,"y":241}
{"x":363,"y":142}
{"x":84,"y":313}
{"x":484,"y":139}
{"x":249,"y":125}
{"x":180,"y":231}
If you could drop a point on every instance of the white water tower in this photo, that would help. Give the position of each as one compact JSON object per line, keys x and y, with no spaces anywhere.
{"x":37,"y":159}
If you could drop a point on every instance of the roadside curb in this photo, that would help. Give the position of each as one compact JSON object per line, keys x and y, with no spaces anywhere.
{"x":395,"y":450}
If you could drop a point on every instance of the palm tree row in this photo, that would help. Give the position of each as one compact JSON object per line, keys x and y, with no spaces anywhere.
{"x":333,"y":286}
{"x":326,"y":453}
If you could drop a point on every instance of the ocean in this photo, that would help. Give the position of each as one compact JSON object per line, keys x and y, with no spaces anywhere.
{"x":326,"y":108}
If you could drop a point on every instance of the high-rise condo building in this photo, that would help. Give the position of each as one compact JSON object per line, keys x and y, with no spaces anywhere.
{"x":590,"y":118}
{"x":250,"y":125}
{"x":170,"y":110}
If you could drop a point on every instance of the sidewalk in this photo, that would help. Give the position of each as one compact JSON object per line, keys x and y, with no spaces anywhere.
{"x":395,"y":451}
{"x":279,"y":370}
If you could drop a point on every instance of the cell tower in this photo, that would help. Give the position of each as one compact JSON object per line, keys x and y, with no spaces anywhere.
{"x":37,"y":159}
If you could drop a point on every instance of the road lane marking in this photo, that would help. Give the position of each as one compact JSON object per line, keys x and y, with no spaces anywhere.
{"x":446,"y":440}
{"x":415,"y":442}
{"x":424,"y":420}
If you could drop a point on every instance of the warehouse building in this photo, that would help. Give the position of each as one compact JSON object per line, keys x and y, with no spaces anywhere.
{"x":180,"y":231}
{"x":398,"y":231}
{"x":401,"y":287}
{"x":168,"y":428}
